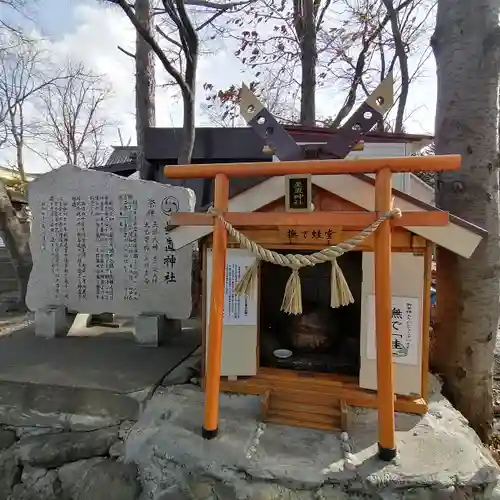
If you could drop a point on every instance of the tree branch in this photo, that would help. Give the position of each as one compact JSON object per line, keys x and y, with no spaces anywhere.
{"x":169,"y":39}
{"x":129,"y":12}
{"x":211,"y":19}
{"x":126,"y":52}
{"x":321,"y":15}
{"x":217,"y":6}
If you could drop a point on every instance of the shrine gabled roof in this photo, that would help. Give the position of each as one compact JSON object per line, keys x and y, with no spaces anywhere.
{"x":459,"y":236}
{"x":243,"y":144}
{"x":427,"y":206}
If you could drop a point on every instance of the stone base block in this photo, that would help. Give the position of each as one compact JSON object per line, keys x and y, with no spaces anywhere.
{"x":51,"y":322}
{"x":153,"y":330}
{"x":99,"y":319}
{"x":81,"y":321}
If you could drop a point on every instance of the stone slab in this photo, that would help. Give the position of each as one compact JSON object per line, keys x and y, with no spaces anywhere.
{"x":110,"y":361}
{"x":101,"y":243}
{"x":99,"y":479}
{"x":438,"y":453}
{"x":90,"y":380}
{"x":55,"y":450}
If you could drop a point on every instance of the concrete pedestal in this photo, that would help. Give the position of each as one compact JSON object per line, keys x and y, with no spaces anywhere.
{"x":103,"y":318}
{"x":152,"y":330}
{"x":51,"y":322}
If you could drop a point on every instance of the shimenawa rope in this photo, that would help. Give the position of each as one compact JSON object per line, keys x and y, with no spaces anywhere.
{"x":292,"y":299}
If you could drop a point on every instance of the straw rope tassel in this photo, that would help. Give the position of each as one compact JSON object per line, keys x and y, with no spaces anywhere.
{"x":292,"y":298}
{"x":340,"y":292}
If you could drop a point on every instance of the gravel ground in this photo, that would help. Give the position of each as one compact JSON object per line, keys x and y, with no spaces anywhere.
{"x":11,"y":322}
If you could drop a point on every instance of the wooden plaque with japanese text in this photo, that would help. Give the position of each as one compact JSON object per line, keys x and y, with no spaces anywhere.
{"x":298,"y":193}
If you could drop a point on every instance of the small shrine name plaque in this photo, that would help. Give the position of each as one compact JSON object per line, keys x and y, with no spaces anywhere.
{"x":298,"y":193}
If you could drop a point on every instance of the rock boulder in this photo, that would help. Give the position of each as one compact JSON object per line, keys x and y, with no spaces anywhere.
{"x":54,"y":450}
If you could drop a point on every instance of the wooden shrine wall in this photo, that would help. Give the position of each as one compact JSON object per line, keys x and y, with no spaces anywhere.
{"x":240,"y":341}
{"x":241,"y":316}
{"x":407,"y":291}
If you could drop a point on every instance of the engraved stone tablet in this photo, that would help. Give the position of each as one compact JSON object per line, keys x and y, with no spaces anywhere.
{"x":101,"y":243}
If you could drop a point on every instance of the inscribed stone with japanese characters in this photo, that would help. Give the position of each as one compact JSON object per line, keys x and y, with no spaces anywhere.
{"x":101,"y":243}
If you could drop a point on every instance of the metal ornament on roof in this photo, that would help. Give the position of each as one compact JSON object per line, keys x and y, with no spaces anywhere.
{"x":370,"y":113}
{"x":337,"y":146}
{"x":285,"y":148}
{"x":267,"y":127}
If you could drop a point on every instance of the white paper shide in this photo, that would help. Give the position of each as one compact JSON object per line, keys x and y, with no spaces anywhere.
{"x":238,"y":310}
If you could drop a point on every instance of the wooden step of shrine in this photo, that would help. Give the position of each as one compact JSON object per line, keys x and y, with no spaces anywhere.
{"x":299,"y":408}
{"x":316,"y":388}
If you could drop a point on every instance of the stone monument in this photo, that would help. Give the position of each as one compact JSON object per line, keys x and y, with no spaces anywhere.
{"x":101,"y":244}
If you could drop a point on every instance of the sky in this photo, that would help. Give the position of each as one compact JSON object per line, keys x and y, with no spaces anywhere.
{"x":88,"y":31}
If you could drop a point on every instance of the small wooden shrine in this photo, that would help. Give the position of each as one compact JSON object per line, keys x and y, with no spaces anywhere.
{"x":312,"y":340}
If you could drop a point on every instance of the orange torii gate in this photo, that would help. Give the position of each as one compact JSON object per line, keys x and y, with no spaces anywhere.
{"x":383,"y":168}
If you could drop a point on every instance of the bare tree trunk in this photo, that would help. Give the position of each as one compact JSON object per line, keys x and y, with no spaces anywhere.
{"x":20,"y":158}
{"x":400,"y":52}
{"x":16,"y":240}
{"x":465,"y":44}
{"x":188,"y":127}
{"x":144,"y":86}
{"x":305,"y":26}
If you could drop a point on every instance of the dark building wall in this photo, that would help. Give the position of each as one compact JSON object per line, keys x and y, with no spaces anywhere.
{"x":211,"y":145}
{"x":218,"y":145}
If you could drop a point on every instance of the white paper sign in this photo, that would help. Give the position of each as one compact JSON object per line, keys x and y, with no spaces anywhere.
{"x":406,"y":329}
{"x":237,"y":310}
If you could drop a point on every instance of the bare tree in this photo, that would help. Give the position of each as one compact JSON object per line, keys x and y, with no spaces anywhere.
{"x":74,"y":126}
{"x":181,"y":63}
{"x":12,"y":5}
{"x":221,"y":106}
{"x":466,"y":44}
{"x":376,"y":50}
{"x":145,"y":84}
{"x":287,"y":55}
{"x":26,"y":78}
{"x":400,"y":53}
{"x":19,"y":81}
{"x":352,"y":44}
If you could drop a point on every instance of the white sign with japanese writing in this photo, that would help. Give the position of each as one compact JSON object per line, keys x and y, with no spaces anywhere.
{"x":238,"y":310}
{"x":101,"y":243}
{"x":406,"y":329}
